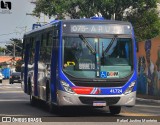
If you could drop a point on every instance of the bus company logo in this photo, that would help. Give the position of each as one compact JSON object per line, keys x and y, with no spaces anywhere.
{"x":6,"y":7}
{"x":111,"y":74}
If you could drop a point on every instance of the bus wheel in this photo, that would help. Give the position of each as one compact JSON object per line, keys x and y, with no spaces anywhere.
{"x":32,"y":100}
{"x":115,"y":109}
{"x":29,"y":87}
{"x":48,"y":95}
{"x":52,"y":108}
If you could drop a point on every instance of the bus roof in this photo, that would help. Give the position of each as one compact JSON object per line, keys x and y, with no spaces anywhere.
{"x":95,"y":21}
{"x":83,"y":21}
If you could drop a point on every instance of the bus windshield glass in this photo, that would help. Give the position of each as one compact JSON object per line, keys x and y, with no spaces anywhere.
{"x":97,"y":57}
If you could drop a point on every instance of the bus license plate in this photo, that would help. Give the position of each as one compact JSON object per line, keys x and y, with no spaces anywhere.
{"x":99,"y":103}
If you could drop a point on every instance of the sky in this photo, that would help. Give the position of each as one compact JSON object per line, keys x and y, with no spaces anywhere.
{"x":13,"y":25}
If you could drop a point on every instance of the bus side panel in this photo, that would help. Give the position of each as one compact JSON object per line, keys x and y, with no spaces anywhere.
{"x":26,"y":59}
{"x":135,"y":59}
{"x":36,"y":68}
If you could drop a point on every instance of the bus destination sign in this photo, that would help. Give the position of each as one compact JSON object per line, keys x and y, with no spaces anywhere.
{"x":100,"y":28}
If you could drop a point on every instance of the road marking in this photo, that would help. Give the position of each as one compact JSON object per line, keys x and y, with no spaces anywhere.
{"x":125,"y":112}
{"x":11,"y":92}
{"x":8,"y":87}
{"x":134,"y":114}
{"x":148,"y":106}
{"x":11,"y":100}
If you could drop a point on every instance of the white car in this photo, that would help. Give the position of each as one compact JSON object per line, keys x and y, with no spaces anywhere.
{"x":1,"y":77}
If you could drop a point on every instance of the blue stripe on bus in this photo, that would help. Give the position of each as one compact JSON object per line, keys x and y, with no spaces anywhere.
{"x":135,"y":60}
{"x":53,"y":75}
{"x":26,"y":59}
{"x":36,"y":68}
{"x":61,"y":76}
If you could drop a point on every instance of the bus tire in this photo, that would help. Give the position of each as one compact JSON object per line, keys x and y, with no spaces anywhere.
{"x":115,"y":109}
{"x":48,"y":96}
{"x":33,"y":100}
{"x":29,"y":90}
{"x":50,"y":106}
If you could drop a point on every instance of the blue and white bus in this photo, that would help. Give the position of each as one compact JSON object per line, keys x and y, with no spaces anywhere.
{"x":81,"y":62}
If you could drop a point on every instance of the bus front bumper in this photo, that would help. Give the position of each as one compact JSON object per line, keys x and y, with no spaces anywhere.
{"x":68,"y":99}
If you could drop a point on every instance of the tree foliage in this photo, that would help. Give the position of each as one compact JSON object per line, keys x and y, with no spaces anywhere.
{"x":18,"y":47}
{"x":2,"y":49}
{"x":18,"y":65}
{"x":141,"y":13}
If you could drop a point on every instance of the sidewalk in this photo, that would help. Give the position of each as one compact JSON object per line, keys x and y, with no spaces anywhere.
{"x":148,"y":98}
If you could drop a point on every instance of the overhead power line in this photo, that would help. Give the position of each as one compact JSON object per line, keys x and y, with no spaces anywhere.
{"x":7,"y":34}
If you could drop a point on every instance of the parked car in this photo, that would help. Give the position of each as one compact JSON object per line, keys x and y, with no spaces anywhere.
{"x":15,"y":77}
{"x":1,"y":77}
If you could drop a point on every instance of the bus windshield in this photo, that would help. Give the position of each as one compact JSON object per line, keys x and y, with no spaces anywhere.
{"x":97,"y":57}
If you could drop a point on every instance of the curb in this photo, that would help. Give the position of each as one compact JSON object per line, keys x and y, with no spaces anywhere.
{"x":148,"y":100}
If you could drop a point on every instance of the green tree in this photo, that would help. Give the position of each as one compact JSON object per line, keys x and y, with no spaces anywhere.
{"x":141,"y":13}
{"x":18,"y":46}
{"x":146,"y":24}
{"x":2,"y":50}
{"x":18,"y":65}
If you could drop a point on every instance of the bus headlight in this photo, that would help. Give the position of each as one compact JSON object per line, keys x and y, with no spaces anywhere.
{"x":66,"y":87}
{"x":130,"y":88}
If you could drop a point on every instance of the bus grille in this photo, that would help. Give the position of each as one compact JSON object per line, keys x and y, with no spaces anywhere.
{"x":108,"y":100}
{"x":98,"y":84}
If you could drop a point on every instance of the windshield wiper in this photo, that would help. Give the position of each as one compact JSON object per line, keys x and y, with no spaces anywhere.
{"x":97,"y":67}
{"x":87,"y":44}
{"x":110,"y":44}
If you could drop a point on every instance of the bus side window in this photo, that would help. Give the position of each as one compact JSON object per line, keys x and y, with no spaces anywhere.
{"x":49,"y":44}
{"x":32,"y":50}
{"x":45,"y":48}
{"x":42,"y":48}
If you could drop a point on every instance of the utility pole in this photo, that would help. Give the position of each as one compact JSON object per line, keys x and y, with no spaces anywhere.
{"x":4,"y":52}
{"x":32,"y":14}
{"x":113,"y":17}
{"x":14,"y":51}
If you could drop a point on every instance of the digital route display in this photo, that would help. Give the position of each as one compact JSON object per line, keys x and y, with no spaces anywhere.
{"x":100,"y":28}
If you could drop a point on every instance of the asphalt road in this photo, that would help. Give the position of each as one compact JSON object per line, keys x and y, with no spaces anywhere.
{"x":14,"y":103}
